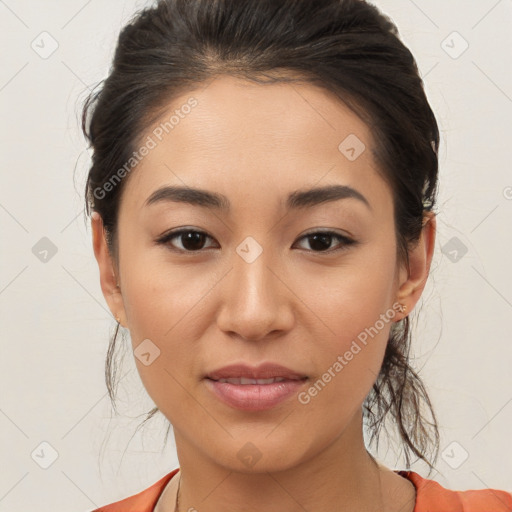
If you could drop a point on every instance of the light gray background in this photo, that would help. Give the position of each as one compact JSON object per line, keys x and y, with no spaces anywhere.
{"x":55,"y":324}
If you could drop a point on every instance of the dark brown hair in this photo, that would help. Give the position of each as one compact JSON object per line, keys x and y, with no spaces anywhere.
{"x":346,"y":47}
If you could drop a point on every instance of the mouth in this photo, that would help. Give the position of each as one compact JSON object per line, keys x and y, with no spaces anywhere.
{"x":265,"y":373}
{"x":251,"y":395}
{"x":254,"y":388}
{"x":244,"y":381}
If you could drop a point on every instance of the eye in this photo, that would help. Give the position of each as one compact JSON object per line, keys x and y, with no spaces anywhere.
{"x":320,"y":241}
{"x":190,"y":240}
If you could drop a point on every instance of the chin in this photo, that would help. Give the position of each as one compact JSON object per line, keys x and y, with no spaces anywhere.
{"x":252,"y":454}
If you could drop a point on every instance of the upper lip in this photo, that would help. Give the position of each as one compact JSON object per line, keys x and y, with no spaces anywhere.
{"x":263,"y":371}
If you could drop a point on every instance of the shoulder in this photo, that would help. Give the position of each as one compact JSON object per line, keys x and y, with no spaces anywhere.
{"x":144,"y":501}
{"x":433,"y":497}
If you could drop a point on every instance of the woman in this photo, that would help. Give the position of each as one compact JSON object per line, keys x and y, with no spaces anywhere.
{"x":263,"y":186}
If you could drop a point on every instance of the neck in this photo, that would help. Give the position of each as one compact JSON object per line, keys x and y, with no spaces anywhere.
{"x":343,"y":473}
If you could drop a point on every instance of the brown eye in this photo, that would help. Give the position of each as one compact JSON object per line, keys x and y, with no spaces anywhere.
{"x":189,"y":240}
{"x":321,"y":241}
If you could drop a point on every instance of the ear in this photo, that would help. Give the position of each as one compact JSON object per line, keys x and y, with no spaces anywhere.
{"x":108,"y":278}
{"x":411,"y":284}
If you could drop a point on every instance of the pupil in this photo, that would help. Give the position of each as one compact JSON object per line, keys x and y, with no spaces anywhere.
{"x":325,"y":242}
{"x":192,"y":240}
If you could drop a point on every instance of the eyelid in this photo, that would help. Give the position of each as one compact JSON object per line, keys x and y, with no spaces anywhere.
{"x":175,"y":233}
{"x":346,"y":241}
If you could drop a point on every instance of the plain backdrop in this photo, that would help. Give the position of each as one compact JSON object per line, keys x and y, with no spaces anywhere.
{"x":55,"y":324}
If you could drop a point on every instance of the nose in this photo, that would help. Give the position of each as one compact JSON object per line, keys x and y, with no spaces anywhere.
{"x":257,"y":303}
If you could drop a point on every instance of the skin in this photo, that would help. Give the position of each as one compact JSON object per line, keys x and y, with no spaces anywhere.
{"x":295,"y":304}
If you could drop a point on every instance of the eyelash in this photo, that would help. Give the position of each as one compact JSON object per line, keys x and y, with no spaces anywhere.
{"x":166,"y":238}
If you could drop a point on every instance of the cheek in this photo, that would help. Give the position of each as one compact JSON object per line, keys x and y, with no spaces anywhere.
{"x":166,"y":313}
{"x":166,"y":299}
{"x":350,"y":329}
{"x":349,"y":362}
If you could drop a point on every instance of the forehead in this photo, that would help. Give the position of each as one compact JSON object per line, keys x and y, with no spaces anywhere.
{"x":237,"y":137}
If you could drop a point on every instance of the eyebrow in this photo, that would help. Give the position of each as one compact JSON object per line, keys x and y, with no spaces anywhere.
{"x":296,"y":200}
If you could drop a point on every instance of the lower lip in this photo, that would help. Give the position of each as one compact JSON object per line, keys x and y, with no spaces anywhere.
{"x":254,"y":397}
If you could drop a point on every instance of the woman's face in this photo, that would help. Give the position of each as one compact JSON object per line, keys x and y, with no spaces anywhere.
{"x":256,"y":288}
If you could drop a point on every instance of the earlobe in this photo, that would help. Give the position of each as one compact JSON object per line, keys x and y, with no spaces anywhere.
{"x":108,"y":280}
{"x":420,"y":259}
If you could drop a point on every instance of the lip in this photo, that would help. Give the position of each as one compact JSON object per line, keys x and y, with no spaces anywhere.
{"x":254,"y":397}
{"x":263,"y":371}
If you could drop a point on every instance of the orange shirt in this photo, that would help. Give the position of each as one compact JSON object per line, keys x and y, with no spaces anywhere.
{"x":430,"y":497}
